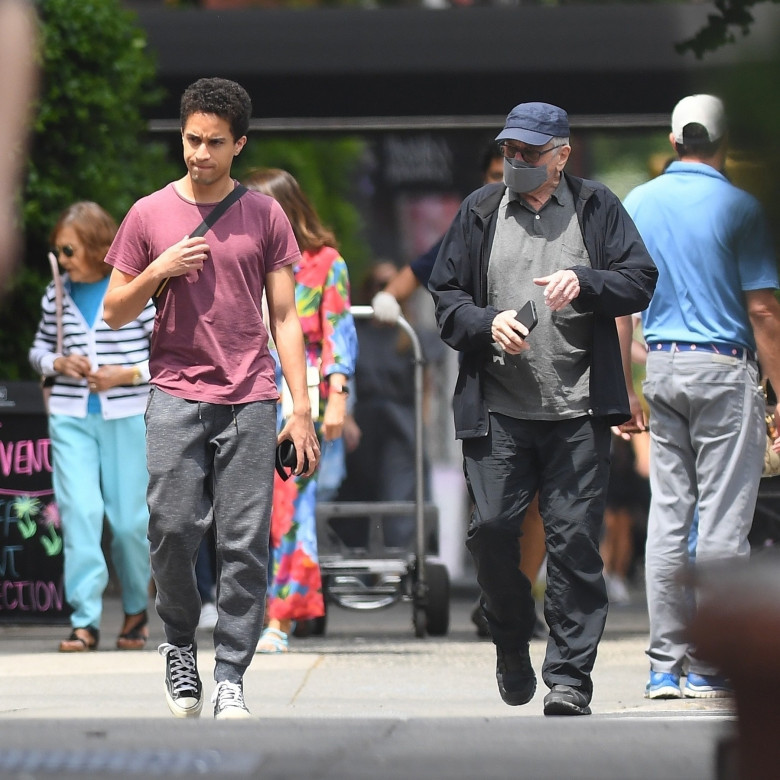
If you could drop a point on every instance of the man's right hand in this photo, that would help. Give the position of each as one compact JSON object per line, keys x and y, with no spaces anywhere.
{"x":186,"y":255}
{"x":508,"y":333}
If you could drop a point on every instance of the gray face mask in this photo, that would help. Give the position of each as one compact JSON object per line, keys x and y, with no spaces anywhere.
{"x":523,"y":177}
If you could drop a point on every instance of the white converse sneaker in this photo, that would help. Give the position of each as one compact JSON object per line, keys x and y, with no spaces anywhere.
{"x":228,"y":701}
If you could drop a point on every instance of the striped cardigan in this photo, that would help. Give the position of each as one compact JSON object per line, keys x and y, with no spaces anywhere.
{"x":127,"y":346}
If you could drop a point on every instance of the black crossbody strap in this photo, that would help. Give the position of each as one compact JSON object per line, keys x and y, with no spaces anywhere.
{"x":219,"y":210}
{"x":208,"y":223}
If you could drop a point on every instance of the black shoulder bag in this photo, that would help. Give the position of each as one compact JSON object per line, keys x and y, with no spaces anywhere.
{"x":204,"y":226}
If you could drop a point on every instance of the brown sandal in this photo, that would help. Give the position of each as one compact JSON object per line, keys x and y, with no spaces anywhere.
{"x":81,"y":640}
{"x":134,"y":638}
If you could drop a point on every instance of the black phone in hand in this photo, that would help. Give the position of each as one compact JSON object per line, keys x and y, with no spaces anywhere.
{"x":527,"y":316}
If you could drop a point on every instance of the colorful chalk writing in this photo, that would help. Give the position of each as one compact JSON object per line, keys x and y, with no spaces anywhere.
{"x":25,"y":457}
{"x":31,"y":596}
{"x":31,"y":582}
{"x":27,"y":525}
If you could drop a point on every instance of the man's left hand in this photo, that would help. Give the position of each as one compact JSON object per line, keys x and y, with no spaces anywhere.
{"x":560,"y":288}
{"x":300,"y":429}
{"x":638,"y":421}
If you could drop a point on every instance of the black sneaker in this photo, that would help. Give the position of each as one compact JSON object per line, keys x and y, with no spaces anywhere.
{"x":565,"y":700}
{"x":515,"y":676}
{"x":183,"y":689}
{"x":228,"y":701}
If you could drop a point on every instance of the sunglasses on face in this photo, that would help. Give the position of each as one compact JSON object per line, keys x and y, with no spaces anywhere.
{"x":529,"y":155}
{"x":66,"y":250}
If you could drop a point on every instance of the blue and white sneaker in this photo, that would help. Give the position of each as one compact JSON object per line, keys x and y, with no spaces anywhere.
{"x":706,"y":686}
{"x":663,"y":685}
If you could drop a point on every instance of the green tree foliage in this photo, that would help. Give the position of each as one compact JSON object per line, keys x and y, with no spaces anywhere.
{"x":326,"y":170}
{"x":89,"y":142}
{"x":721,"y":27}
{"x":754,"y":165}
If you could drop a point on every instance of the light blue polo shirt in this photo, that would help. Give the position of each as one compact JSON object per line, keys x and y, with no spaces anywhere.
{"x":710,"y":241}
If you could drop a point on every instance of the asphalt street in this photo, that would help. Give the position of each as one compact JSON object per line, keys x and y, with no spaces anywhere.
{"x":366,"y":700}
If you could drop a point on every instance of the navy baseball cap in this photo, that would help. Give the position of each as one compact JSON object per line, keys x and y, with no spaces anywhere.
{"x":535,"y":124}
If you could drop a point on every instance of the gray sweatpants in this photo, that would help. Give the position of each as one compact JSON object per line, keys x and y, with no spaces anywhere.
{"x":706,"y":452}
{"x":211,"y":462}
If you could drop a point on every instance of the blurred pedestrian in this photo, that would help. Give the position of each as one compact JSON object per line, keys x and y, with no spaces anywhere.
{"x":534,"y":411}
{"x":211,"y":418}
{"x":382,"y":468}
{"x":387,"y":301}
{"x":714,"y":306}
{"x":96,"y":425}
{"x":322,"y":297}
{"x":628,"y":496}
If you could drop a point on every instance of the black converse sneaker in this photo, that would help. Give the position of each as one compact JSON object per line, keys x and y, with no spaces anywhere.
{"x":228,"y":701}
{"x":183,"y":689}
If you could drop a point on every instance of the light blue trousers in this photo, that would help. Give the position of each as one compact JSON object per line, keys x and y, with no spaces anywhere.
{"x":706,"y":451}
{"x":99,"y":470}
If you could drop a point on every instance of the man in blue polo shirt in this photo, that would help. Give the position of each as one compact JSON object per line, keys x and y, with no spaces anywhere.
{"x":714,"y":308}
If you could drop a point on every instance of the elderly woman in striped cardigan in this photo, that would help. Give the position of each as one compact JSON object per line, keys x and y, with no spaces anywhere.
{"x":99,"y":387}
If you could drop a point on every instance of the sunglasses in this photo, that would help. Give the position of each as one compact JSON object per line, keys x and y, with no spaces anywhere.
{"x":66,"y":250}
{"x":531,"y":156}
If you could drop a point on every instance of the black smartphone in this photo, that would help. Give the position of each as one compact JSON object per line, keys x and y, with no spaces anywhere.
{"x":527,"y":316}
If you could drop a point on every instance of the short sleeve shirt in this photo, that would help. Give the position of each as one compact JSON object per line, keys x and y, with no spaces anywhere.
{"x":711,"y":242}
{"x":210,"y":342}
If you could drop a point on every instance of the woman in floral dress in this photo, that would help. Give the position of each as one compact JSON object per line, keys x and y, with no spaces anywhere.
{"x":322,"y":298}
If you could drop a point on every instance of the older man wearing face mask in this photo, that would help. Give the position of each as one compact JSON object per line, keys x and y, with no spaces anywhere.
{"x":534,"y":410}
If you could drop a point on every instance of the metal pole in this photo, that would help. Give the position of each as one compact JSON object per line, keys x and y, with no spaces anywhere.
{"x":367,"y":312}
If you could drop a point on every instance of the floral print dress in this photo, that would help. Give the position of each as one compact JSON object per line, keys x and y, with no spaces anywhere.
{"x":322,"y":300}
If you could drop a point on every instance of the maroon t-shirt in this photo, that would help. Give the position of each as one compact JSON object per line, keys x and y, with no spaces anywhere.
{"x":209,"y":342}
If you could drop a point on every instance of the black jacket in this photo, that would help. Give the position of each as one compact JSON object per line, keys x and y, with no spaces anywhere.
{"x":620,"y":282}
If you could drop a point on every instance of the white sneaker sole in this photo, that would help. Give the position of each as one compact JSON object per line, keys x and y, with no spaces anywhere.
{"x":709,"y":693}
{"x":192,"y":711}
{"x":233,"y":713}
{"x":668,"y":692}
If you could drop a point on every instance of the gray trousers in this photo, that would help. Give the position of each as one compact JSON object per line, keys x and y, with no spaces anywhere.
{"x":706,"y":451}
{"x":211,"y":463}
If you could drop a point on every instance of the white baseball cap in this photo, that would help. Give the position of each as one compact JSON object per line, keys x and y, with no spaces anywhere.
{"x":706,"y":110}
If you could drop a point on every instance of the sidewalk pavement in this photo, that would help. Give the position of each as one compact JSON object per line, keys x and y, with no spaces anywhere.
{"x":366,"y":699}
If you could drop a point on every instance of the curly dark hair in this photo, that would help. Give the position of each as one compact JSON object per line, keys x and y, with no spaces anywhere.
{"x":222,"y":97}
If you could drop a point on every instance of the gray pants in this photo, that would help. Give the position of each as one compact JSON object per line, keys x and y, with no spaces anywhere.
{"x":211,"y":463}
{"x":706,"y":451}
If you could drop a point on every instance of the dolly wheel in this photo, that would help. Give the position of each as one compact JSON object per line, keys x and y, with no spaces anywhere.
{"x":438,"y":606}
{"x":320,"y":624}
{"x":420,"y":621}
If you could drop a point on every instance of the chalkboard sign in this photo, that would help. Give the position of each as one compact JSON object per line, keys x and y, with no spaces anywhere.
{"x":31,"y":583}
